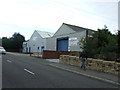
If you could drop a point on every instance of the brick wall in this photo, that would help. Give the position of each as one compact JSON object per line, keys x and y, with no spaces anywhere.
{"x":53,"y":54}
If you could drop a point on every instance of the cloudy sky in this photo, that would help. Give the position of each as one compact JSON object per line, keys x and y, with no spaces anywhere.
{"x":25,"y":16}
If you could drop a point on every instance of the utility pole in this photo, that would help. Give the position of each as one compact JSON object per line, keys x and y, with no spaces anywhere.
{"x":86,"y":35}
{"x":86,"y":39}
{"x":118,"y":43}
{"x":0,"y":42}
{"x":119,"y":29}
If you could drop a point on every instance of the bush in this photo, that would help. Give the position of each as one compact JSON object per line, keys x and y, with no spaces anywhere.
{"x":103,"y":45}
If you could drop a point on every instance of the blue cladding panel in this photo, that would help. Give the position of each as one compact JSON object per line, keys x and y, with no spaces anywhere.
{"x":62,"y":45}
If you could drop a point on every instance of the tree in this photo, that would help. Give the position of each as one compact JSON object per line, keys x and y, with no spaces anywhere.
{"x":6,"y":43}
{"x":102,"y":44}
{"x":18,"y":39}
{"x":13,"y":43}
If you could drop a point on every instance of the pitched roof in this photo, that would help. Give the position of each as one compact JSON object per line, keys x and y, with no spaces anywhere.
{"x":77,"y":28}
{"x":44,"y":34}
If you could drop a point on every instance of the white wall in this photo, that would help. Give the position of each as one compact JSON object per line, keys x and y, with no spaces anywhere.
{"x":65,"y":31}
{"x":36,"y":41}
{"x":25,"y":46}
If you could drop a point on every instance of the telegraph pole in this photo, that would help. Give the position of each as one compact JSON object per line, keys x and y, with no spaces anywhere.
{"x":118,"y":43}
{"x":119,"y":29}
{"x":86,"y":40}
{"x":0,"y":42}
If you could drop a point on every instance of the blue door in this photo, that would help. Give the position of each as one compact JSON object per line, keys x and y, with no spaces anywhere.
{"x":62,"y":44}
{"x":29,"y":49}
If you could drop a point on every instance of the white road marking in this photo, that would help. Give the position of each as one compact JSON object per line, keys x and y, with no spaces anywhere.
{"x":29,"y":71}
{"x":9,"y":61}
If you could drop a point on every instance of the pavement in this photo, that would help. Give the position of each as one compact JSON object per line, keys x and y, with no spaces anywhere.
{"x":109,"y":78}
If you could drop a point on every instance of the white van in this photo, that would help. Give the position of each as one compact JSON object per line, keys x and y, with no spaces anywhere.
{"x":2,"y":50}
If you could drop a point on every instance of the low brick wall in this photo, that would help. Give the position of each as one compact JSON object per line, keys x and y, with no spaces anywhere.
{"x":93,"y":64}
{"x":53,"y":54}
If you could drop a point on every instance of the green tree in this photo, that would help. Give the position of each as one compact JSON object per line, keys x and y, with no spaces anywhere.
{"x":13,"y":43}
{"x":18,"y":39}
{"x":102,"y":44}
{"x":6,"y":43}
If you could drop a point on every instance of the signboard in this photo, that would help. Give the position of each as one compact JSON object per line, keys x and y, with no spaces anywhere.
{"x":73,"y":41}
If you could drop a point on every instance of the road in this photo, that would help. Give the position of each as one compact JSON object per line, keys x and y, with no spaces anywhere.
{"x":22,"y":71}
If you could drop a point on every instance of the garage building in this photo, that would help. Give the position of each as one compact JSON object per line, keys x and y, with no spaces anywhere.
{"x":68,"y":38}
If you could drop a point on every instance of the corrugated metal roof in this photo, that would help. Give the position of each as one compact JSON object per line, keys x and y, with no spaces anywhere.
{"x":44,"y":34}
{"x":76,"y":28}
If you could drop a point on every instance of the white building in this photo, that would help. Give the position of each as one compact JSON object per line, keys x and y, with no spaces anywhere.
{"x":25,"y":47}
{"x":68,"y":38}
{"x":37,"y":42}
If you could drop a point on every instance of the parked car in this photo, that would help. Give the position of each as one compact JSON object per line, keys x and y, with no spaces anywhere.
{"x":2,"y":50}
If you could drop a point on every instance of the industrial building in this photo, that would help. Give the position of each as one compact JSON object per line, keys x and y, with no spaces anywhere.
{"x":37,"y":42}
{"x":68,"y":38}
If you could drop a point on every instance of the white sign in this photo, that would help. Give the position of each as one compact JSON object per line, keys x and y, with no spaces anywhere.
{"x":73,"y":41}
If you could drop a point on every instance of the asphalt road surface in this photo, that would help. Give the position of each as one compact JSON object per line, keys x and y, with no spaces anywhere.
{"x":22,"y":71}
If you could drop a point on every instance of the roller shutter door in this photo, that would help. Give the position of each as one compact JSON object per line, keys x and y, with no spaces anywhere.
{"x":62,"y":44}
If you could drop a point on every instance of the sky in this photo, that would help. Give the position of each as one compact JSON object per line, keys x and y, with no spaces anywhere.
{"x":25,"y":16}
